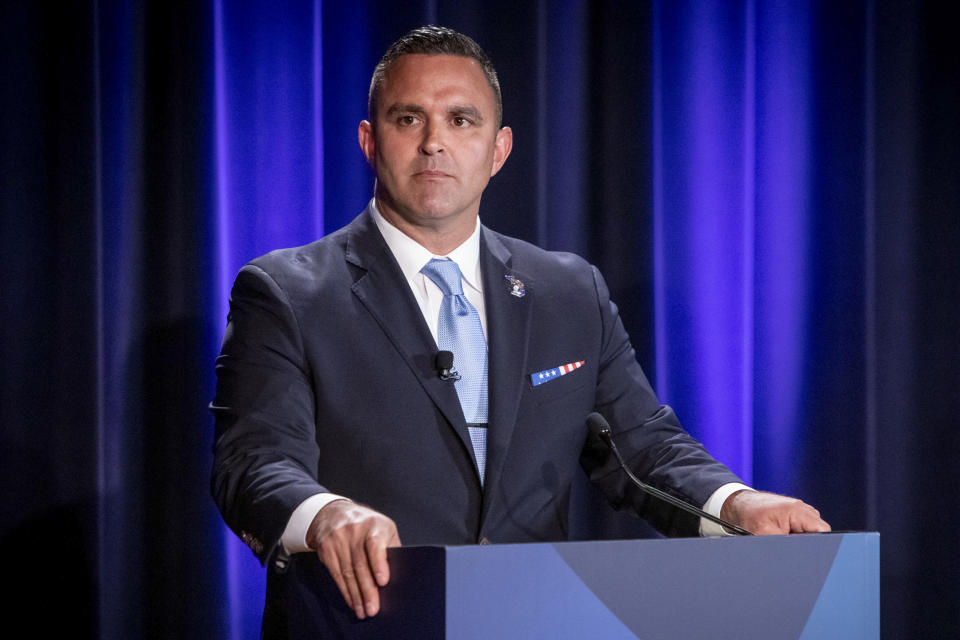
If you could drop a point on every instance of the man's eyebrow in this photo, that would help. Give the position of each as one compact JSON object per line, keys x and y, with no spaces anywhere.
{"x":405,"y":108}
{"x":467,"y":111}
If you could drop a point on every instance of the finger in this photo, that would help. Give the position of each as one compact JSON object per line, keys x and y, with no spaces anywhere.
{"x":820,"y":524}
{"x":377,"y":555}
{"x":356,"y":595}
{"x":770,"y":527}
{"x":394,"y":540}
{"x":369,"y":593}
{"x":347,"y":573}
{"x":815,"y":525}
{"x":774,"y":523}
{"x":807,"y":519}
{"x":329,"y":558}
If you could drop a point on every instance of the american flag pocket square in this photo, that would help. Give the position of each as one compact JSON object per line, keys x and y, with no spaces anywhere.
{"x":547,"y":375}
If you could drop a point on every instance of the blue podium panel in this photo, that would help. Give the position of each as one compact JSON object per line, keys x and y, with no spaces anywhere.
{"x":800,"y":586}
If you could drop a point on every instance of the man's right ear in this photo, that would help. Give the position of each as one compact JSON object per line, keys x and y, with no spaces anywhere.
{"x":367,"y":143}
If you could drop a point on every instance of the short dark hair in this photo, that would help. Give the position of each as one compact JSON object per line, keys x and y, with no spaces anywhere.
{"x":433,"y":40}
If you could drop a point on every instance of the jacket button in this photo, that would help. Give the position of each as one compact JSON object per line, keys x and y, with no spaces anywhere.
{"x":483,"y":540}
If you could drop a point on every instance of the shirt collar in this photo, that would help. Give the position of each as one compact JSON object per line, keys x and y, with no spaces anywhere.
{"x":412,"y":256}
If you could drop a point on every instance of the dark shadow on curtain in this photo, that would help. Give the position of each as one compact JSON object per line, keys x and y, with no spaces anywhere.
{"x":916,"y":379}
{"x":48,"y":355}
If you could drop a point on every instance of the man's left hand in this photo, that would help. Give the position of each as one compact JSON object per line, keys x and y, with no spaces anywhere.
{"x":765,"y":513}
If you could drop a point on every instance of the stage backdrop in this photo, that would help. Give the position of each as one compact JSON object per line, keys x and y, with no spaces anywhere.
{"x":770,"y":188}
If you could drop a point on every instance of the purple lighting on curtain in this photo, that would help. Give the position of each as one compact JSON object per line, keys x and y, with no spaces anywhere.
{"x":703,"y":341}
{"x":730,"y":131}
{"x":269,"y":167}
{"x":317,"y":79}
{"x":748,"y":272}
{"x":782,"y":204}
{"x":120,"y":105}
{"x":244,"y":575}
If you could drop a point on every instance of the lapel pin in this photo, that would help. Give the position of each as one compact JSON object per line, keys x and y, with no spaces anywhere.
{"x":515,"y":287}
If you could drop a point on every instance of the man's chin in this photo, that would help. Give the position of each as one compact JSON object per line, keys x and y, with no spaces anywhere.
{"x":428,"y":210}
{"x":439,"y":211}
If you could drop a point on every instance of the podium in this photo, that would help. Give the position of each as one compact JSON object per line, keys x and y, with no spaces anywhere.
{"x":799,"y":586}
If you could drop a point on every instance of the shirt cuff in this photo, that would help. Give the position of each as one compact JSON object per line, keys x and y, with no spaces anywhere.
{"x":713,"y":506}
{"x":294,"y":538}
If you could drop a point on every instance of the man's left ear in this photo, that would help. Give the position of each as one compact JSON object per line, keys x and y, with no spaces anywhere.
{"x":501,"y":149}
{"x":365,"y":137}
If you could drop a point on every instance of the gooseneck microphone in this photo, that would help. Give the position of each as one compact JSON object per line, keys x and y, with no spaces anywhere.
{"x":444,"y":364}
{"x":598,"y":426}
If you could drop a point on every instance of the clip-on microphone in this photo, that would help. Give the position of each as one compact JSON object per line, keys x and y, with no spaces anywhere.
{"x":444,"y":364}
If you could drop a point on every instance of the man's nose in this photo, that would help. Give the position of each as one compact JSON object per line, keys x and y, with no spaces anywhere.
{"x":432,"y":139}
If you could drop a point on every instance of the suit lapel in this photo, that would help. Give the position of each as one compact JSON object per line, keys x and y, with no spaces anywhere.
{"x":384,"y":291}
{"x":508,"y":326}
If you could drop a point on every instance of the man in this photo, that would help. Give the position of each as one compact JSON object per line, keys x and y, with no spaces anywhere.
{"x":337,"y":434}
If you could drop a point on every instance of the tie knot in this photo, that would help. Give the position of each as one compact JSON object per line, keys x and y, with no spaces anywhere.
{"x":445,"y":274}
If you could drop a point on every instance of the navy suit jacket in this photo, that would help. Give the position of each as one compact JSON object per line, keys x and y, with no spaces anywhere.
{"x":326,"y":382}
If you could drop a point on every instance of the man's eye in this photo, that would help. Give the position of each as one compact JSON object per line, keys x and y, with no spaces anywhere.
{"x":407,"y":120}
{"x":460,"y":121}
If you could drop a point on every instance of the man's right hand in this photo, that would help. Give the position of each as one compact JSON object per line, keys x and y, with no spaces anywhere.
{"x":352,"y":541}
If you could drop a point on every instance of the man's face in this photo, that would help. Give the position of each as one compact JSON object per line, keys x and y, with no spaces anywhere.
{"x":435,"y":144}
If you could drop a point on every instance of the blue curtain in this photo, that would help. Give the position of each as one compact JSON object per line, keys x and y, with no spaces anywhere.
{"x":770,"y":188}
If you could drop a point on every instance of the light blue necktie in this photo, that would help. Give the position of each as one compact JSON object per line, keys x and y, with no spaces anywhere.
{"x":460,"y":332}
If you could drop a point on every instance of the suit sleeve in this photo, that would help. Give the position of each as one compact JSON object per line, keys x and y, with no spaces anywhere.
{"x":265,"y":450}
{"x":648,"y":434}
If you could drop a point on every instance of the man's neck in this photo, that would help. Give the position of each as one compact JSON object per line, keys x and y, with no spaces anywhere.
{"x":439,"y":239}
